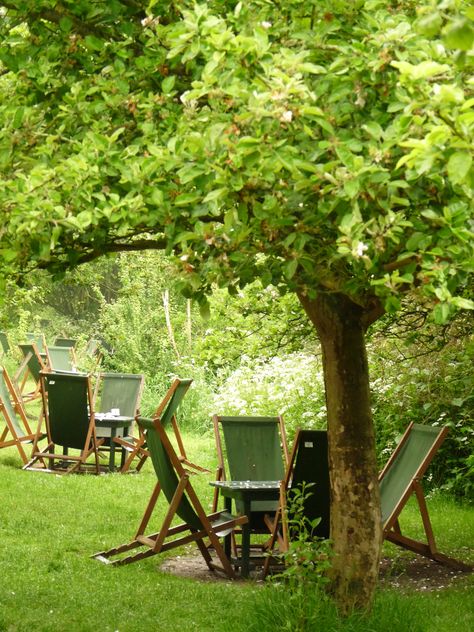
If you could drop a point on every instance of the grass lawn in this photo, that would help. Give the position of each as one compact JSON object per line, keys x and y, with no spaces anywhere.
{"x":50,"y":525}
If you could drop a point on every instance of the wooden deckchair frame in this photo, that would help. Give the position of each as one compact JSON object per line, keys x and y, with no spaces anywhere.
{"x":45,"y":460}
{"x":24,"y":370}
{"x":391,"y":527}
{"x":169,"y":537}
{"x":139,"y":446}
{"x":9,"y":410}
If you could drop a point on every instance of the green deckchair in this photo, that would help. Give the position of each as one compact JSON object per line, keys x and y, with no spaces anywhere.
{"x":60,"y":358}
{"x":166,"y":411}
{"x":255,"y":450}
{"x":5,"y":344}
{"x":65,"y":342}
{"x":32,"y":364}
{"x":308,"y":471}
{"x":38,"y":339}
{"x":400,"y":478}
{"x":119,"y":393}
{"x":174,"y":481}
{"x":69,"y":413}
{"x":17,"y":431}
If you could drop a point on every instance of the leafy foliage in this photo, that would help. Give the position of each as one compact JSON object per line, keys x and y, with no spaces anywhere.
{"x":434,"y":388}
{"x":307,"y":144}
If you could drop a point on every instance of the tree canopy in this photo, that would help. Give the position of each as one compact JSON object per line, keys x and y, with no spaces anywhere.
{"x":319,"y":145}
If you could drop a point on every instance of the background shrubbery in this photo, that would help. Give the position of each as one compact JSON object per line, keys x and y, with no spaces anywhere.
{"x":255,"y":354}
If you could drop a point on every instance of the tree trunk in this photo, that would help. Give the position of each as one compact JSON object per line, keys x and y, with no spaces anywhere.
{"x":356,"y":529}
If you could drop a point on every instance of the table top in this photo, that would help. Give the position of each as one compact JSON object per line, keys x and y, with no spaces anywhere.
{"x":107,"y":420}
{"x":244,"y":485}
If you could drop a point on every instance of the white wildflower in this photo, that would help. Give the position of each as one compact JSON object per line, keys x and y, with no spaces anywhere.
{"x":360,"y":249}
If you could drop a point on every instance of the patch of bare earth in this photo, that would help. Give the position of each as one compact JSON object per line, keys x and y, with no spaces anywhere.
{"x":410,"y":573}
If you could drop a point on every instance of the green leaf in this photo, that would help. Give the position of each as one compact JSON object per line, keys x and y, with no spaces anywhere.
{"x":65,"y":24}
{"x":18,"y":118}
{"x":311,"y":110}
{"x":216,"y":194}
{"x":441,"y":313}
{"x":325,"y":125}
{"x":459,"y":165}
{"x":424,"y":70}
{"x":459,"y":36}
{"x":94,"y":43}
{"x":392,"y":304}
{"x":290,"y":268}
{"x":462,"y":303}
{"x":430,"y":25}
{"x":184,"y":236}
{"x":373,"y":129}
{"x":204,"y":309}
{"x":312,"y":69}
{"x":352,"y":187}
{"x":167,"y":84}
{"x":418,"y":241}
{"x":185,"y":199}
{"x":345,"y":156}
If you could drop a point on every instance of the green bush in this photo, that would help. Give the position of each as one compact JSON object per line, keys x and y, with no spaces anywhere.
{"x":434,"y":388}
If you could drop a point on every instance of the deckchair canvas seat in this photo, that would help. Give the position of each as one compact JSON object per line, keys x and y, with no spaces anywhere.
{"x":61,"y":358}
{"x":32,"y":365}
{"x":120,"y":394}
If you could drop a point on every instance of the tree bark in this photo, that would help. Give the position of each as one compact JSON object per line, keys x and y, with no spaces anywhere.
{"x":356,"y":529}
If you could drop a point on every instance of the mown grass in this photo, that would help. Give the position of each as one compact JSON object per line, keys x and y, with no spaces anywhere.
{"x":51,"y":525}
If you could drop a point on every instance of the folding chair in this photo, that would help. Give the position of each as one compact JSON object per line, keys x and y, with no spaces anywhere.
{"x":65,"y":342}
{"x":400,"y":478}
{"x":69,"y":413}
{"x":119,"y":394}
{"x":38,"y":339}
{"x":166,"y":412}
{"x":4,"y":342}
{"x":17,"y":431}
{"x":33,"y":363}
{"x":94,"y":352}
{"x":61,"y":358}
{"x":251,"y":449}
{"x":308,"y":471}
{"x":174,"y":481}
